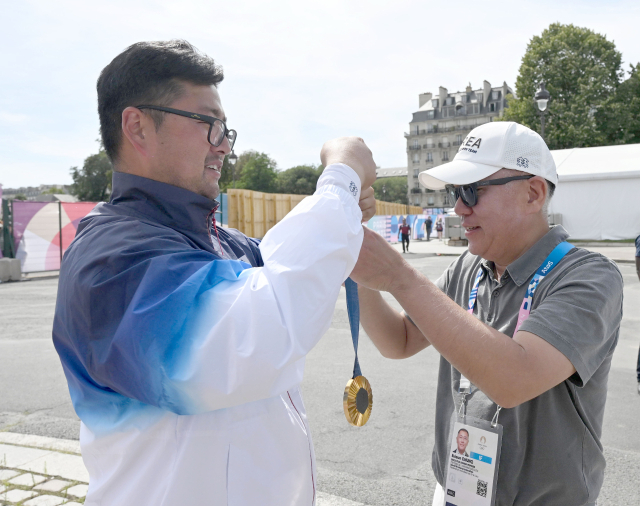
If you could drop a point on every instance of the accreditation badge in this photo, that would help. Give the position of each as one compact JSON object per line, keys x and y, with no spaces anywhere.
{"x":472,"y":466}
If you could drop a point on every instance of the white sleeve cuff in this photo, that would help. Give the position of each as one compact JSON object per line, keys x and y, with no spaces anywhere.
{"x":342,"y":176}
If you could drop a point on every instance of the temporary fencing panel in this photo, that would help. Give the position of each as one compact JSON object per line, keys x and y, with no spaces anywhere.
{"x":254,"y":213}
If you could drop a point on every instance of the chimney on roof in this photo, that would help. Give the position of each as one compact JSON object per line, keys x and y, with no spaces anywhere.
{"x":423,"y":98}
{"x":469,"y":89}
{"x":486,"y":91}
{"x":442,"y":93}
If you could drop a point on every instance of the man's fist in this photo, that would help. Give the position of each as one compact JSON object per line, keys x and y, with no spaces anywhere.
{"x":367,"y":204}
{"x":351,"y":151}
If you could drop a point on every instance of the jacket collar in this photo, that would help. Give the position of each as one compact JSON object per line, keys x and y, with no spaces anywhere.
{"x":172,"y":206}
{"x":523,"y":268}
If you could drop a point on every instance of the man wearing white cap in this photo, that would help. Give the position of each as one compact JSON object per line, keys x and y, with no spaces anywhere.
{"x":526,"y":328}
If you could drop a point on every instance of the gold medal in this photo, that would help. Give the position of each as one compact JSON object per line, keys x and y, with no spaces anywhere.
{"x":357,"y":401}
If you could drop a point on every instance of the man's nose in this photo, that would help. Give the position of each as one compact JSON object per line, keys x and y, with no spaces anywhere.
{"x":461,"y":209}
{"x":224,"y":148}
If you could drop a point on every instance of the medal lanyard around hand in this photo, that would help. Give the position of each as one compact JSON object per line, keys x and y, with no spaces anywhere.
{"x":357,"y":400}
{"x":547,"y":266}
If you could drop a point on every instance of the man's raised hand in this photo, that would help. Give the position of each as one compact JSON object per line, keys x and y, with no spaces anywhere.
{"x":351,"y":151}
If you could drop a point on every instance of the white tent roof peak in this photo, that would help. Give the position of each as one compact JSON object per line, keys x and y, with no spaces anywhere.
{"x":601,"y":162}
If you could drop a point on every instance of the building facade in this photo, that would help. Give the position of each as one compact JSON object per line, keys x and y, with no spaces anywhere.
{"x":34,"y":192}
{"x":438,"y":128}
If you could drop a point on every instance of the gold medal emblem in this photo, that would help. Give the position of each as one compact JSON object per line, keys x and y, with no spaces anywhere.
{"x":357,"y":401}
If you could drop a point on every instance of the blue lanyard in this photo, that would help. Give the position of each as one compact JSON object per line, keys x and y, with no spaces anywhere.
{"x":353,"y":310}
{"x":547,"y":266}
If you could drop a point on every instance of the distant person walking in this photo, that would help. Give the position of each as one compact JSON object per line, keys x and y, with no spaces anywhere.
{"x":638,"y":273}
{"x":439,"y":228}
{"x":405,"y":230}
{"x":428,"y":225}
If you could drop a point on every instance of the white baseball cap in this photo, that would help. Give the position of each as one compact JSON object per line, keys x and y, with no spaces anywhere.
{"x":489,"y":148}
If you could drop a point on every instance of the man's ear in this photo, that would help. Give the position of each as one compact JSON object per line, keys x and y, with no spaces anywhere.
{"x":537,"y":192}
{"x":136,"y":128}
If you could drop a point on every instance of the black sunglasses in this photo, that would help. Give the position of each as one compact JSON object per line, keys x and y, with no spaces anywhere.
{"x":216,"y":126}
{"x":468,"y":193}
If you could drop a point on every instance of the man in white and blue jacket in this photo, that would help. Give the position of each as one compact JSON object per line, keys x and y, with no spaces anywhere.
{"x":183,"y":343}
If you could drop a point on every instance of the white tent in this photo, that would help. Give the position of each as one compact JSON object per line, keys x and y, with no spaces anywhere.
{"x":598,"y":193}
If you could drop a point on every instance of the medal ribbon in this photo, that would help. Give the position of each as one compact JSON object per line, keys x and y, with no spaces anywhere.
{"x":353,"y":310}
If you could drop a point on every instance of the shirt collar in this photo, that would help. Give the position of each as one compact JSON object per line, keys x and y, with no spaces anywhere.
{"x":521,"y":269}
{"x":524,"y":267}
{"x":169,"y":205}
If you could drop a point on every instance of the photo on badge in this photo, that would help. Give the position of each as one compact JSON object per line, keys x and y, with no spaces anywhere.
{"x":472,"y":467}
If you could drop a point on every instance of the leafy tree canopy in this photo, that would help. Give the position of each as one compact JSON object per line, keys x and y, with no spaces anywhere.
{"x":299,"y":180}
{"x":581,"y":70}
{"x":256,"y":172}
{"x":395,"y":189}
{"x":618,"y":118}
{"x":20,"y":196}
{"x":92,"y":183}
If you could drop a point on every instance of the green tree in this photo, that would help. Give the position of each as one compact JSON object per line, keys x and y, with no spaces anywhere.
{"x":256,"y":171}
{"x":618,"y":118}
{"x":395,"y":189}
{"x":93,"y":182}
{"x":299,"y":180}
{"x":20,"y":196}
{"x":581,"y":70}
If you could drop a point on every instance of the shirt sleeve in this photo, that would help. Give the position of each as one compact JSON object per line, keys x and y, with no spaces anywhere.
{"x":197,"y":334}
{"x":580,"y":315}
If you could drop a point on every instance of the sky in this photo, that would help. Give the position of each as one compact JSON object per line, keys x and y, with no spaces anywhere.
{"x":296,"y":73}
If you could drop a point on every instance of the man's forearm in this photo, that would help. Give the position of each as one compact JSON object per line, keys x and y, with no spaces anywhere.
{"x":493,"y":361}
{"x":388,"y":330}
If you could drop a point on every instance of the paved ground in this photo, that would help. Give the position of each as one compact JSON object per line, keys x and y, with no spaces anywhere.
{"x":387,"y":462}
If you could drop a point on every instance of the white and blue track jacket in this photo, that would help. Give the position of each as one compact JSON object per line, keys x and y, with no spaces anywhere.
{"x":183,"y":362}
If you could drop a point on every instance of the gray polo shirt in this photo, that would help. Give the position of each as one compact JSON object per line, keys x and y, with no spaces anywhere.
{"x":551,"y":450}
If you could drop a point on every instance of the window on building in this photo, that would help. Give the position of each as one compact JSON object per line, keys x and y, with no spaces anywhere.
{"x":434,"y":102}
{"x":479,"y":97}
{"x":416,"y":172}
{"x":416,"y":185}
{"x":448,"y":112}
{"x":460,"y":110}
{"x":445,"y":142}
{"x":492,"y":107}
{"x":430,"y":201}
{"x":416,"y":158}
{"x":430,"y":115}
{"x":458,"y":139}
{"x":495,"y":95}
{"x":445,"y":156}
{"x":415,"y":143}
{"x":473,"y":109}
{"x":429,"y":157}
{"x":429,"y":143}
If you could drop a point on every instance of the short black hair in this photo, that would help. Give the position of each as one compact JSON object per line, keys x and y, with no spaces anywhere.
{"x":148,"y":73}
{"x":463,"y":430}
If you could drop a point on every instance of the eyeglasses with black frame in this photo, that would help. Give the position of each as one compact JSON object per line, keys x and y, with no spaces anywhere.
{"x":217,"y":127}
{"x":468,"y":193}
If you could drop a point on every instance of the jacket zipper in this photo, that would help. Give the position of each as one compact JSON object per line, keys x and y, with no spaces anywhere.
{"x":211,"y":220}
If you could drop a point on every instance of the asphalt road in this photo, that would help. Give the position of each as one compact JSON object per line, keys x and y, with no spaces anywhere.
{"x":386,"y":462}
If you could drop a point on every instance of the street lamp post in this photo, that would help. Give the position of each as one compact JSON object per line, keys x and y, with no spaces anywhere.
{"x":541,"y":98}
{"x":233,"y":159}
